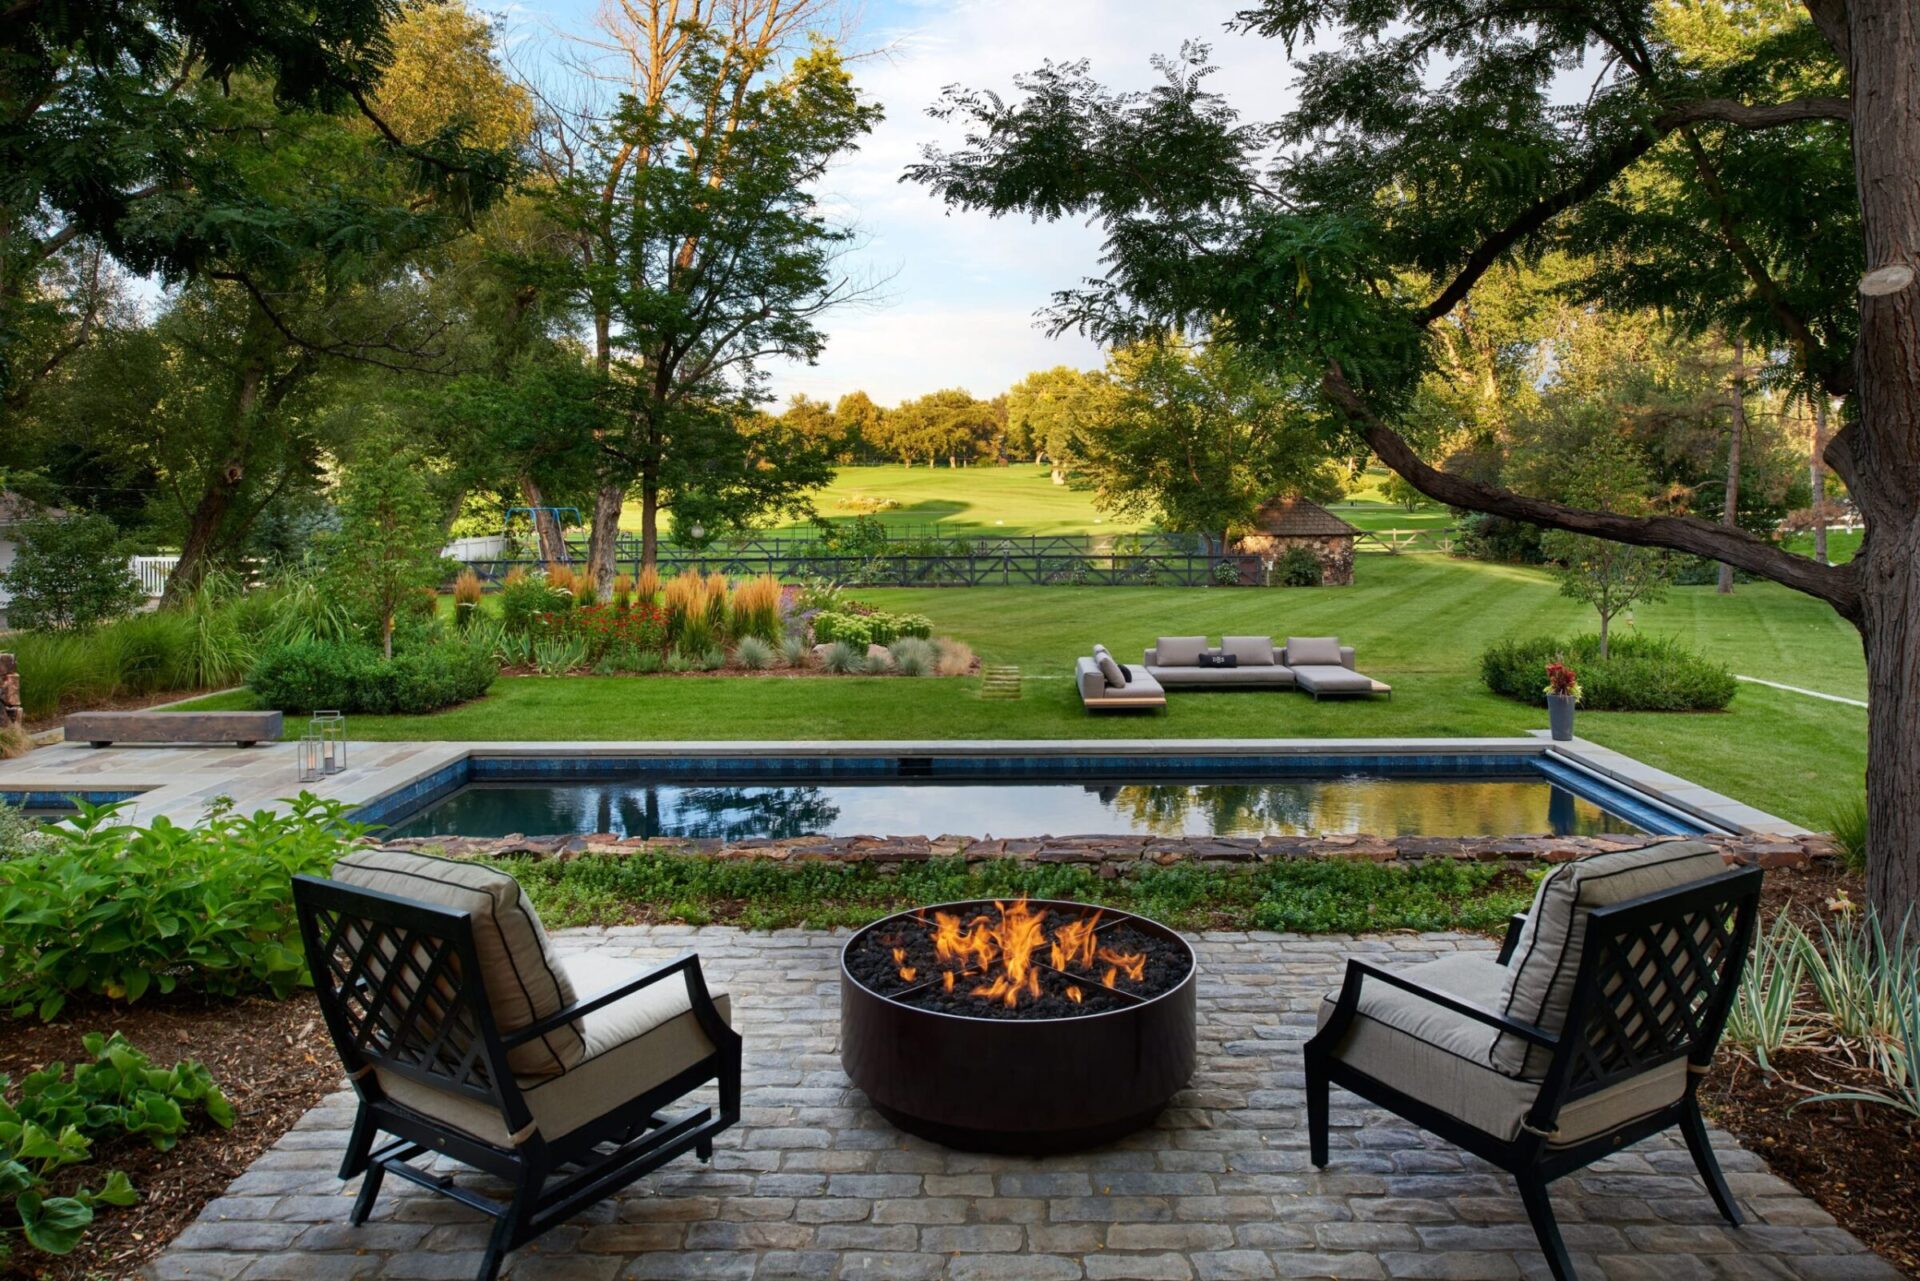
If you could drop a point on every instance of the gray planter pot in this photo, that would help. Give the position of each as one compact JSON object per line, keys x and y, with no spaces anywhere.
{"x":1560,"y":716}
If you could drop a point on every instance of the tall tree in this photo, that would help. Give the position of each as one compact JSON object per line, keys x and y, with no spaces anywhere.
{"x":660,"y":195}
{"x":1046,"y":408}
{"x":1736,"y":438}
{"x":1195,"y":438}
{"x":861,"y":421}
{"x":1745,"y":182}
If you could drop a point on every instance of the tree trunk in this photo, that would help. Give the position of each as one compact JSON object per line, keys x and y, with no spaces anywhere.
{"x":1879,"y":455}
{"x":552,"y":539}
{"x":649,"y":521}
{"x":1736,"y":435}
{"x":1817,"y":474}
{"x":204,"y":526}
{"x":1606,"y":622}
{"x":602,"y":539}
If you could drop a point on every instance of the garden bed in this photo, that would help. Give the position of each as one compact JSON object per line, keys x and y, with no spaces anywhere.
{"x":272,"y":1060}
{"x":1860,"y":1163}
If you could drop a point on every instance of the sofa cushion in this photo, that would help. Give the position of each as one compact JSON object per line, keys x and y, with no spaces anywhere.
{"x":1180,"y":651}
{"x":524,"y":981}
{"x":632,"y":1045}
{"x":1546,"y":961}
{"x":1440,"y":1057}
{"x":1317,"y":678}
{"x":1249,"y":651}
{"x":1272,"y":676}
{"x":1116,"y":679}
{"x":1313,"y":651}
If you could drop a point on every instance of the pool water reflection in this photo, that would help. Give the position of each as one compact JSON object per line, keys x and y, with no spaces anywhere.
{"x":1383,"y":806}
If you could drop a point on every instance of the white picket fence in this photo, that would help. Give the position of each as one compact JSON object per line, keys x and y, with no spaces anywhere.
{"x":151,"y":572}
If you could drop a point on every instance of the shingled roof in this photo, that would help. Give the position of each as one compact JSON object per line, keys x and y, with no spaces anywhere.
{"x":1299,"y":518}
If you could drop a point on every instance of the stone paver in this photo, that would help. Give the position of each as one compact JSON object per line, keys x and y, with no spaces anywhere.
{"x":813,"y":1184}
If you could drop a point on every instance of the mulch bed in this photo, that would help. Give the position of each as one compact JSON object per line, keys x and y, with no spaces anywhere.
{"x":1860,"y":1163}
{"x":273,"y":1060}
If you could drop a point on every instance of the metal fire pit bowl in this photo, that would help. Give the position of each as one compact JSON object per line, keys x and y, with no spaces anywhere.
{"x":1030,"y":1086}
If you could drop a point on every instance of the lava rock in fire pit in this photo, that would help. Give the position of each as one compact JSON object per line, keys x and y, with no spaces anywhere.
{"x":1026,"y":1027}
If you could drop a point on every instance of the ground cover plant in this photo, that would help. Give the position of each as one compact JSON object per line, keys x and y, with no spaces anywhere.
{"x":51,"y":1123}
{"x":1306,"y":895}
{"x":1639,"y":674}
{"x":115,"y":910}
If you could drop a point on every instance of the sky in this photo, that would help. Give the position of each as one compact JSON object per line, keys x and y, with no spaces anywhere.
{"x":959,"y":293}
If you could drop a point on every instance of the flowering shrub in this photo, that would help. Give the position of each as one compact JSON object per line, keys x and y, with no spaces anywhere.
{"x":642,"y":626}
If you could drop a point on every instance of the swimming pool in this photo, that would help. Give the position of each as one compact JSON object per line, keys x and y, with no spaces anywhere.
{"x":736,"y":798}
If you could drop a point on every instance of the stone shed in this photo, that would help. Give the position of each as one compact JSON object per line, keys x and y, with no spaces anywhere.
{"x":1285,"y":523}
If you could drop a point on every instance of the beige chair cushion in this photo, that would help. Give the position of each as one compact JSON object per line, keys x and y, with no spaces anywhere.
{"x":1109,"y":668}
{"x":1318,"y":678}
{"x":1313,"y":651}
{"x":633,"y":1045}
{"x":1540,"y":976}
{"x":1179,"y":651}
{"x":1440,"y":1058}
{"x":1249,"y":651}
{"x":524,"y":982}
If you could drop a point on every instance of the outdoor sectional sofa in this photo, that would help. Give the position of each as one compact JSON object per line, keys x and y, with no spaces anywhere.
{"x":1105,"y":683}
{"x":1320,"y":665}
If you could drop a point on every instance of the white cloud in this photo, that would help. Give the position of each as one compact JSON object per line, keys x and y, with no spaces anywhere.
{"x":963,"y":289}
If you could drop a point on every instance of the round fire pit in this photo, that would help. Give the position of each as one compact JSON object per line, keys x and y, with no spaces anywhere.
{"x":1028,"y":1027}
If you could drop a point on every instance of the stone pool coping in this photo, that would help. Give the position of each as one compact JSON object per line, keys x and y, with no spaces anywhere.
{"x":179,"y":782}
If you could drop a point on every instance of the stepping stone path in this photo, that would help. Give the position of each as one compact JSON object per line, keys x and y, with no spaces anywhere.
{"x":814,"y":1184}
{"x":1000,"y":681}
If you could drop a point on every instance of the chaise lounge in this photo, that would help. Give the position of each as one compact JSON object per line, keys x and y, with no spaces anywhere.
{"x":1322,"y":666}
{"x":1105,"y":684}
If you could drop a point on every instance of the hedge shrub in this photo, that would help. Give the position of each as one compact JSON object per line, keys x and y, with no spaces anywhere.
{"x":1297,"y":567}
{"x":877,"y":628}
{"x":1640,"y":673}
{"x":305,"y":675}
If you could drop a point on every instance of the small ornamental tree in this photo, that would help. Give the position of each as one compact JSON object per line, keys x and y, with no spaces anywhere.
{"x":387,"y":549}
{"x":1607,"y":575}
{"x":69,"y":574}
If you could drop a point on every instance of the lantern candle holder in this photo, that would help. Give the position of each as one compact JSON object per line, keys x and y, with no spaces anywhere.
{"x":309,"y":762}
{"x":331,"y":727}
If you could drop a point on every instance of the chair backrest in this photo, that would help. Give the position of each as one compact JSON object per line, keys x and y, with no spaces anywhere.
{"x":400,"y":988}
{"x":1657,"y":978}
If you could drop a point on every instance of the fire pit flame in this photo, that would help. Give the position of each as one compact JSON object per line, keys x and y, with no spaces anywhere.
{"x":1002,"y":951}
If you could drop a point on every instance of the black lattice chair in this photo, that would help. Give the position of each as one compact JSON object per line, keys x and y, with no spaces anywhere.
{"x":463,"y":1037}
{"x":1590,"y":1030}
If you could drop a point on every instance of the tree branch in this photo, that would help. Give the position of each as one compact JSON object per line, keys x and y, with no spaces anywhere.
{"x":1838,"y":585}
{"x":1610,"y":166}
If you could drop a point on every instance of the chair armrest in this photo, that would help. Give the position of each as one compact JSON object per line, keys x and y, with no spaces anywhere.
{"x":687,"y":964}
{"x":1346,"y":657}
{"x":1358,"y":971}
{"x":1515,"y":923}
{"x":1151,"y":658}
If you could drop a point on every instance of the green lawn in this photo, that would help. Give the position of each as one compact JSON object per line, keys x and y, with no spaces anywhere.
{"x":1419,"y":622}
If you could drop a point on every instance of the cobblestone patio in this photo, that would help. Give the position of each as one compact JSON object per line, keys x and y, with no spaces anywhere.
{"x":813,"y":1184}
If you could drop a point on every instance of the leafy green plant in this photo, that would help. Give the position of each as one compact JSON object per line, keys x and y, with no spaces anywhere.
{"x":302,"y":676}
{"x":18,"y":833}
{"x":795,"y":652}
{"x":118,"y":910}
{"x":712,"y":659}
{"x":1640,"y":673}
{"x":1225,"y":573}
{"x":753,"y":653}
{"x":678,"y":662}
{"x":1762,"y":1018}
{"x":874,"y":628}
{"x":54,"y":1122}
{"x":69,"y":574}
{"x":649,"y":661}
{"x":1295,"y":567}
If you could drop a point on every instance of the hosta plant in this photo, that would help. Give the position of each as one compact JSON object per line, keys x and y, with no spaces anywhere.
{"x":53,"y":1121}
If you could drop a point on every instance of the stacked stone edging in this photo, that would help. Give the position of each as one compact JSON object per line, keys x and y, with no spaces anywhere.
{"x":1763,"y":850}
